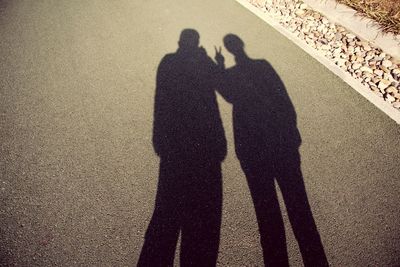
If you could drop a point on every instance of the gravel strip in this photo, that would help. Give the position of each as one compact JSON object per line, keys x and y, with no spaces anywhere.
{"x":367,"y":63}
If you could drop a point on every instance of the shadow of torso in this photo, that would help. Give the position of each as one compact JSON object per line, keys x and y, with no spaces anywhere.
{"x":187,"y":123}
{"x":264,"y":118}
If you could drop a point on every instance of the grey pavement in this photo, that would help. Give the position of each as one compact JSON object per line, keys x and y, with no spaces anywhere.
{"x":78,"y":172}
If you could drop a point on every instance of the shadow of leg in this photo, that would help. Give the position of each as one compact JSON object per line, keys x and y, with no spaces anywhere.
{"x":260,"y":179}
{"x":163,"y":231}
{"x":201,"y":219}
{"x":290,"y":180}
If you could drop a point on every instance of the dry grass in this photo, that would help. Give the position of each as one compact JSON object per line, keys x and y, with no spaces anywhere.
{"x":385,"y":12}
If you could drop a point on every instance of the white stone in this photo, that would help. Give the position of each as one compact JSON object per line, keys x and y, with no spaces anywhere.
{"x":387,"y":63}
{"x":367,"y":48}
{"x":388,"y":77}
{"x":391,"y":89}
{"x":390,"y":98}
{"x":376,"y":79}
{"x":368,"y":75}
{"x":356,"y":66}
{"x":359,"y":59}
{"x":378,"y":72}
{"x":300,"y":12}
{"x":383,"y":84}
{"x":303,"y":6}
{"x":350,"y":49}
{"x":366,"y":69}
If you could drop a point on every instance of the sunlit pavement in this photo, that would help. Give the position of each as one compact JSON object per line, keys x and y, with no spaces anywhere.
{"x":78,"y":170}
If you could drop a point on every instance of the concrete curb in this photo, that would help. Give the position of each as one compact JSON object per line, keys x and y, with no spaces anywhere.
{"x":346,"y":77}
{"x":362,"y":27}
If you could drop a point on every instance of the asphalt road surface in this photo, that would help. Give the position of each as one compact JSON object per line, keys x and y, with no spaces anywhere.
{"x":79,"y":172}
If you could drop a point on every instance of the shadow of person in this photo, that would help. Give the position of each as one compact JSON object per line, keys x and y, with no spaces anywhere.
{"x":266,"y":143}
{"x":189,"y":138}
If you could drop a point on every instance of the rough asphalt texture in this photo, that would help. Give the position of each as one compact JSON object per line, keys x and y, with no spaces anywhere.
{"x":78,"y":172}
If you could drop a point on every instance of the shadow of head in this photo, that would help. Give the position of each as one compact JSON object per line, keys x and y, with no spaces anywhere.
{"x":234,"y":44}
{"x":189,"y":39}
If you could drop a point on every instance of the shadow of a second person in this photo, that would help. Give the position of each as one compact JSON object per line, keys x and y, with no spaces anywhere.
{"x":267,"y":145}
{"x":189,"y":138}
